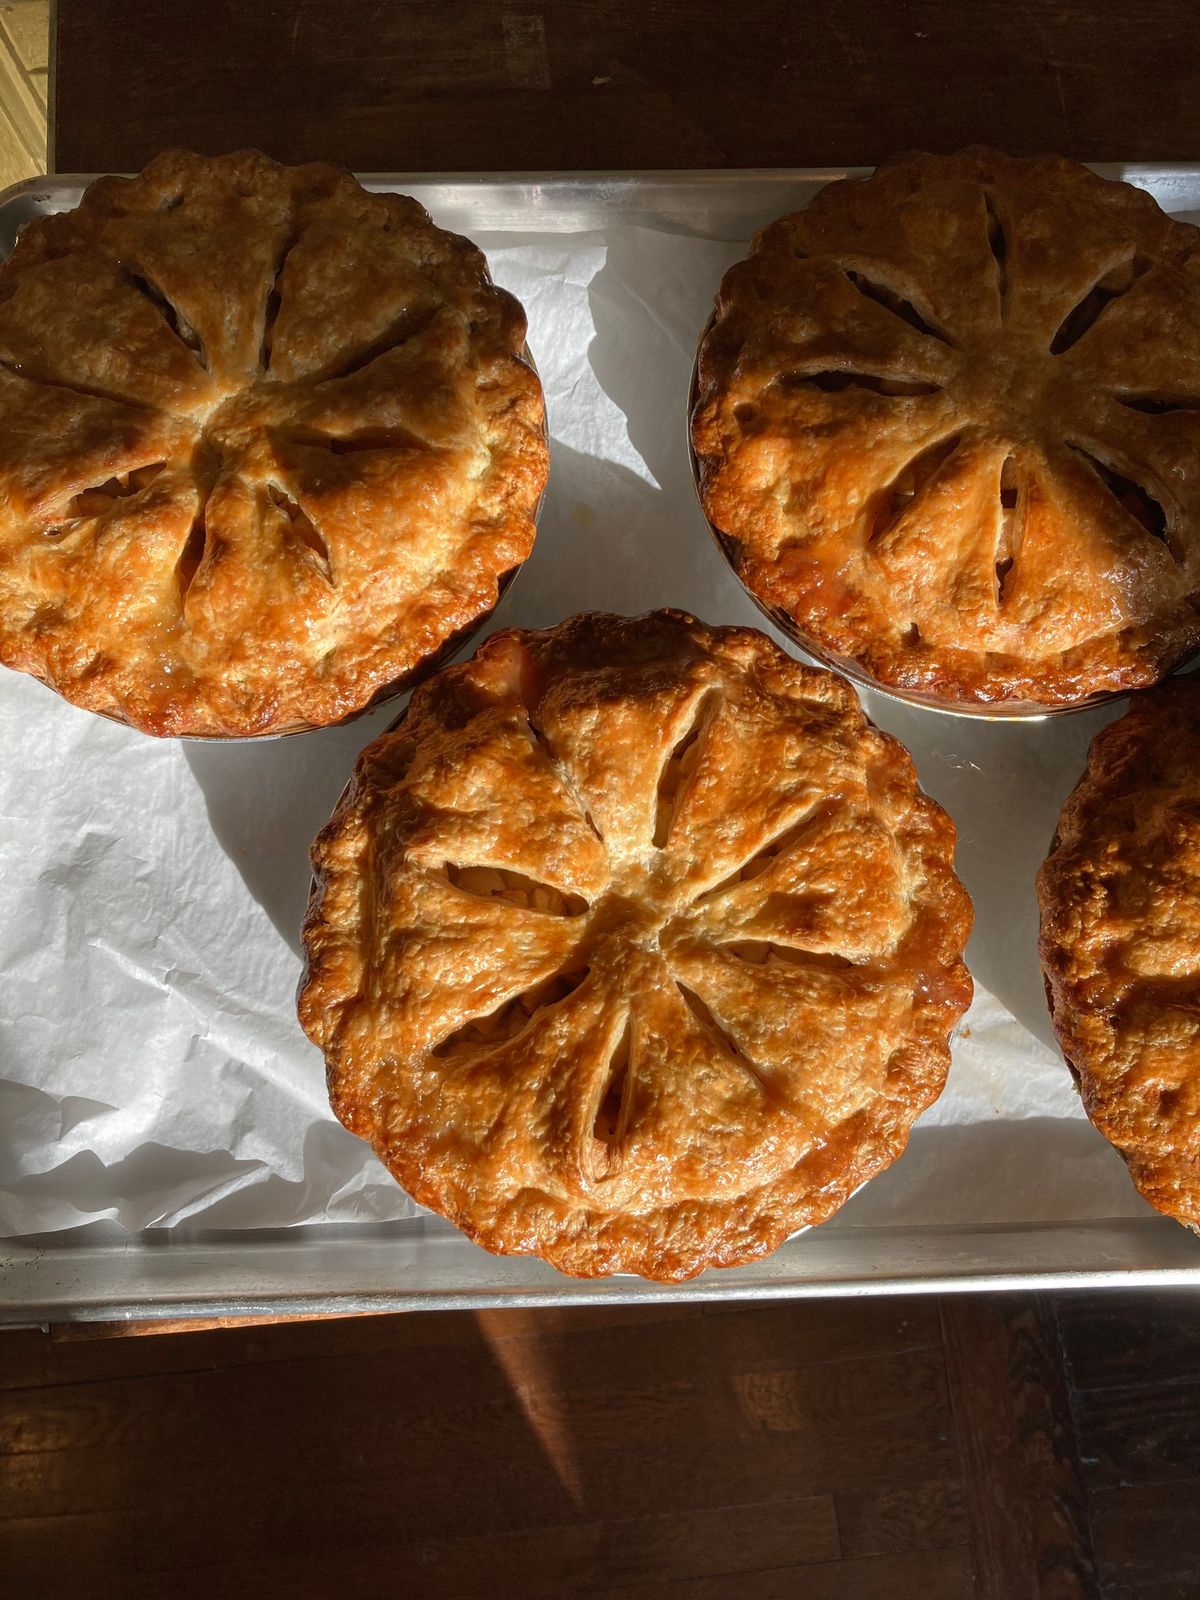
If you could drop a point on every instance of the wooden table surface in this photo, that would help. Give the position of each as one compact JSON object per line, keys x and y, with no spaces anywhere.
{"x":987,"y":1447}
{"x":1006,"y":1448}
{"x":485,"y":86}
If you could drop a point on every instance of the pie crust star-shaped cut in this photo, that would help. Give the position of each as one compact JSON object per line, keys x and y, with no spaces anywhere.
{"x":948,"y":428}
{"x":267,"y":444}
{"x":635,"y":946}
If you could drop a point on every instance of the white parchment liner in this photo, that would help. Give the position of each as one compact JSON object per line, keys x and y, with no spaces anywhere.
{"x":151,"y":1067}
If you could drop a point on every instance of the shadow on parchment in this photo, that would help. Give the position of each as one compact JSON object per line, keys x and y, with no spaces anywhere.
{"x":648,"y":379}
{"x":267,"y":802}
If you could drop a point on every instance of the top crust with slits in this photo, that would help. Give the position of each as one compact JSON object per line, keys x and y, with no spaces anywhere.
{"x":266,"y":445}
{"x":634,"y":946}
{"x":948,"y":423}
{"x":1119,"y":895}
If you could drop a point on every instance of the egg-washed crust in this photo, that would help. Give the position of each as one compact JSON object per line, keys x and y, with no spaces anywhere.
{"x":267,"y":442}
{"x":948,"y":423}
{"x":634,"y":946}
{"x":1119,"y":896}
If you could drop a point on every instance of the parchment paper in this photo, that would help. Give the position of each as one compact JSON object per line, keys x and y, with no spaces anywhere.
{"x":151,"y":1067}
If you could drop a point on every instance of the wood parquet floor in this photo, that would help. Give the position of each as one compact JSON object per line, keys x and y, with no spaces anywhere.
{"x":997,"y":1447}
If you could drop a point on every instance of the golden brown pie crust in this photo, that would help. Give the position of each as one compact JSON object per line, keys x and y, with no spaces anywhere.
{"x":948,"y":422}
{"x":634,"y":946}
{"x":1120,"y":941}
{"x":266,"y":444}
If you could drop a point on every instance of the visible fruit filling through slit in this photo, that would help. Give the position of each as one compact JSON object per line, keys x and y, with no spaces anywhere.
{"x":612,"y":1115}
{"x":190,"y":558}
{"x":509,"y":1018}
{"x":500,"y":883}
{"x":1013,"y":501}
{"x":1158,"y":405}
{"x":369,"y":439}
{"x":171,"y":315}
{"x":679,"y":766}
{"x":998,"y":245}
{"x":100,"y":500}
{"x":765,"y":953}
{"x":715,"y":1029}
{"x":1116,"y":281}
{"x":531,"y":692}
{"x":703,"y":1014}
{"x":909,"y":482}
{"x":837,"y":382}
{"x":411,"y":322}
{"x":768,"y":855}
{"x":303,"y":527}
{"x":1132,"y":498}
{"x":894,"y":302}
{"x":274,"y":300}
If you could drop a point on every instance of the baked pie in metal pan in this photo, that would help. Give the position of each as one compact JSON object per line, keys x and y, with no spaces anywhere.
{"x":634,"y":946}
{"x":947,"y":428}
{"x":267,"y":445}
{"x":1120,"y":941}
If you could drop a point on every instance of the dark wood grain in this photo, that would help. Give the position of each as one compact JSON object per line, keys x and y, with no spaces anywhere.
{"x":757,"y":1336}
{"x":917,"y":1575}
{"x":1111,"y":1339}
{"x":1148,"y":1539}
{"x":537,"y":1563}
{"x":1132,"y":1362}
{"x":686,"y":1449}
{"x":590,"y":84}
{"x":1025,"y":1499}
{"x":921,"y":1515}
{"x":836,"y":1448}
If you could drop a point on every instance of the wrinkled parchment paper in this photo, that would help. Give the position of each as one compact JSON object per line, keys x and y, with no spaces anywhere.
{"x":151,"y":1067}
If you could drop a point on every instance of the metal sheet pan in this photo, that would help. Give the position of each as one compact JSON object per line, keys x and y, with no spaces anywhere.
{"x":104,"y":1272}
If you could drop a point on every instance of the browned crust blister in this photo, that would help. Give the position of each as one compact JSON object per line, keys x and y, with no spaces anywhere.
{"x":1119,"y":895}
{"x":948,"y":422}
{"x":634,"y":946}
{"x":267,"y":442}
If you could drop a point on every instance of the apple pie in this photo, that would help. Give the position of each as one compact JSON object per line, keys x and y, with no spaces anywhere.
{"x":1120,"y":941}
{"x":634,"y":946}
{"x":947,"y":427}
{"x":267,"y":444}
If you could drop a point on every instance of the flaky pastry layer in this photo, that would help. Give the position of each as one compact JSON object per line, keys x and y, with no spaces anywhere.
{"x":634,"y":946}
{"x":1120,"y":941}
{"x":948,"y":423}
{"x":267,"y":442}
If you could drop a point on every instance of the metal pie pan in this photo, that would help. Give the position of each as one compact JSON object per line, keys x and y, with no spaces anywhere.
{"x":1005,"y":711}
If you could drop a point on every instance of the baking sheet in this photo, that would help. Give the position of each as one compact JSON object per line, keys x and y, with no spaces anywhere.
{"x":152,"y":1073}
